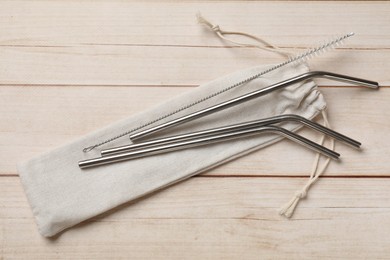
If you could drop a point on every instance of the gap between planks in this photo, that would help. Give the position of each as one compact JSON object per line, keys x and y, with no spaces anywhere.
{"x":178,"y":46}
{"x":266,"y":176}
{"x":139,"y":85}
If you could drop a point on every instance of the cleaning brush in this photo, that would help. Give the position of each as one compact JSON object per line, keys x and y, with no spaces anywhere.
{"x":300,"y":58}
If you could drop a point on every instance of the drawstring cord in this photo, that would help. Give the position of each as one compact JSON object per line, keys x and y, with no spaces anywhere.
{"x":221,"y":34}
{"x":288,"y":209}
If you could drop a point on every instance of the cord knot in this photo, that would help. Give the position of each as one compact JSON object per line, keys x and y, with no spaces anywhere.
{"x":216,"y":28}
{"x":301,"y":194}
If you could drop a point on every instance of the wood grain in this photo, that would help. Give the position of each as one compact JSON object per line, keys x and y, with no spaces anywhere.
{"x":217,"y":218}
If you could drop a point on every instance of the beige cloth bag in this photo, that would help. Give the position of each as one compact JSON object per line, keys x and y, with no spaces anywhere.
{"x":62,"y":195}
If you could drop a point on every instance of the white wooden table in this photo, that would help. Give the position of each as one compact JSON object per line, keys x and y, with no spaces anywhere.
{"x":69,"y":67}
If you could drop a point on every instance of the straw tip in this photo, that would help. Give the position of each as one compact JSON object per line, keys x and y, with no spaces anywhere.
{"x":350,"y":34}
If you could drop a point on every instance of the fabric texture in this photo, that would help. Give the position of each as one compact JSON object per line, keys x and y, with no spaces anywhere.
{"x":62,"y":195}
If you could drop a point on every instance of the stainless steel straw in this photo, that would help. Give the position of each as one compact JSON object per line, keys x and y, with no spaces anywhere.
{"x":205,"y":141}
{"x":252,"y":95}
{"x":232,"y":128}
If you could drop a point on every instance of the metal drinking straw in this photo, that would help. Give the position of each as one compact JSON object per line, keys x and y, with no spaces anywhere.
{"x":206,"y":141}
{"x":232,"y":128}
{"x":252,"y":95}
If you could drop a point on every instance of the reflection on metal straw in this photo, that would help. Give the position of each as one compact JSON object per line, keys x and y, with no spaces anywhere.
{"x":252,"y":95}
{"x":231,"y":128}
{"x":205,"y":141}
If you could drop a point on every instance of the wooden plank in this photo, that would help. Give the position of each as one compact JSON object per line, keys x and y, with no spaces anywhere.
{"x":132,"y":65}
{"x":285,"y":23}
{"x":216,"y":218}
{"x":115,"y":43}
{"x":36,"y":119}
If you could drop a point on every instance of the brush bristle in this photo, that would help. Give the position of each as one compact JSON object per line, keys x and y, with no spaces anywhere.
{"x":311,"y":53}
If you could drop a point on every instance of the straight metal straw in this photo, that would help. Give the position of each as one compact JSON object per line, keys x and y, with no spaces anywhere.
{"x":230,"y":128}
{"x":252,"y":95}
{"x":208,"y":140}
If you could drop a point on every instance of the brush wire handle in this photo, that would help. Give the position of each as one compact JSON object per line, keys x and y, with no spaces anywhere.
{"x":295,"y":59}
